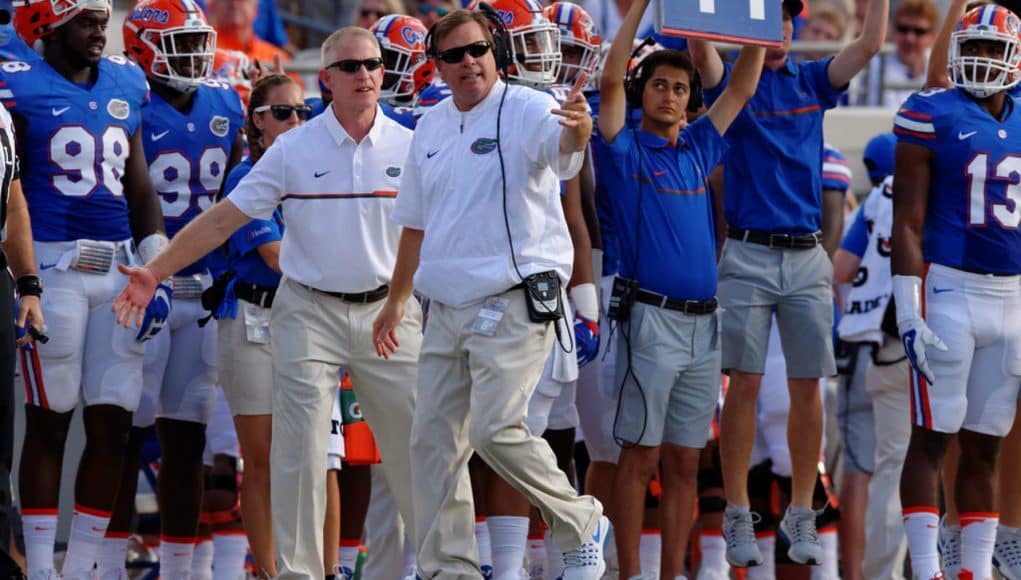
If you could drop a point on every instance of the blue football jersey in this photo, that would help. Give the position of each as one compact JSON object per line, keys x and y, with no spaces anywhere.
{"x":974,"y":208}
{"x":836,"y":174}
{"x":187,"y":153}
{"x":76,"y":146}
{"x":404,"y":116}
{"x":431,"y":96}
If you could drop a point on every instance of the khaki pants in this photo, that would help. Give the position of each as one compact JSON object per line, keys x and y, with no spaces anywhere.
{"x":312,"y":335}
{"x":885,"y":543}
{"x":473,"y":394}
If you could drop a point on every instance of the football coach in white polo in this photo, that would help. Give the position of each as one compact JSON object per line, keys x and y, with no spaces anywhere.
{"x":484,"y":228}
{"x":337,"y":177}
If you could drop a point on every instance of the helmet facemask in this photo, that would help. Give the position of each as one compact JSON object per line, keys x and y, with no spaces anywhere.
{"x":535,"y":50}
{"x":984,"y":76}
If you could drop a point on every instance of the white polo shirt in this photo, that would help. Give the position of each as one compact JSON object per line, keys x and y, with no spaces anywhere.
{"x":452,"y":189}
{"x":337,"y":196}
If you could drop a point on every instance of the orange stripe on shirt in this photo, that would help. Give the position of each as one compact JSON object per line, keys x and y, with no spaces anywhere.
{"x":798,"y":111}
{"x":377,"y":193}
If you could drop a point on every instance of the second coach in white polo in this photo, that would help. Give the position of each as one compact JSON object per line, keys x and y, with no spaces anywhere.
{"x":336,"y":177}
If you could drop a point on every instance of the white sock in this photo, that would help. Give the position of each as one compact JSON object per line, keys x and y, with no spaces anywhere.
{"x":229,"y":552}
{"x":347,"y":554}
{"x":176,"y":556}
{"x":830,"y":558}
{"x":485,"y":547}
{"x":88,"y":528}
{"x":978,"y":537}
{"x":201,"y":559}
{"x":921,"y":525}
{"x":39,"y":527}
{"x":767,"y":570}
{"x":714,"y":552}
{"x":650,"y":553}
{"x":113,"y":553}
{"x":507,"y":536}
{"x":535,"y":554}
{"x":554,"y":557}
{"x":612,"y":562}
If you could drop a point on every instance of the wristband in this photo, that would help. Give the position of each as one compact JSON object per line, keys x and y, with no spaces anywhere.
{"x":151,"y":246}
{"x":586,"y":300}
{"x":30,"y":285}
{"x":907,"y":295}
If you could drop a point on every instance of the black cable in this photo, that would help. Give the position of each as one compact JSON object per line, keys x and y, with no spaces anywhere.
{"x":626,"y":335}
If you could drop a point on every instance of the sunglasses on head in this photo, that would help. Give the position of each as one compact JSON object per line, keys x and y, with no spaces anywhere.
{"x":916,"y":30}
{"x":283,"y":112}
{"x":456,"y":54}
{"x":427,"y":9}
{"x":351,"y":66}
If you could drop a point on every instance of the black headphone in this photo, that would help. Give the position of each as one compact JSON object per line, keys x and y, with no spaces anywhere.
{"x":501,"y":38}
{"x":637,"y":77}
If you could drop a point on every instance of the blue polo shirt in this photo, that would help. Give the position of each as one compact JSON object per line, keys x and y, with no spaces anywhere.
{"x":773,"y":169}
{"x":242,"y":247}
{"x":676,"y":244}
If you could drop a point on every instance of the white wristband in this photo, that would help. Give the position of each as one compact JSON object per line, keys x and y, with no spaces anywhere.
{"x":586,"y":300}
{"x":907,"y":295}
{"x":151,"y":246}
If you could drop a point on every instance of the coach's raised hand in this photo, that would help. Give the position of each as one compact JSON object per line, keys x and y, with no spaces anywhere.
{"x":576,"y":120}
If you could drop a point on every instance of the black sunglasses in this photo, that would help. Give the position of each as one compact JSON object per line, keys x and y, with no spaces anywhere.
{"x":916,"y":30}
{"x":456,"y":54}
{"x":370,"y":13}
{"x":283,"y":112}
{"x":351,"y":66}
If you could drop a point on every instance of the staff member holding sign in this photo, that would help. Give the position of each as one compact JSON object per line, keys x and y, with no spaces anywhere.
{"x":668,"y":366}
{"x":773,"y":261}
{"x":489,"y":159}
{"x":338,"y":172}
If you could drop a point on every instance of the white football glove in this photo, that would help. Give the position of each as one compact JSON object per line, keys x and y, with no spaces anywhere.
{"x":914,"y":332}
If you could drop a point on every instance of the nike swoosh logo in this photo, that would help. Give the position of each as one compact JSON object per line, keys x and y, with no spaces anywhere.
{"x":961,"y":136}
{"x":58,"y":112}
{"x":47,"y":266}
{"x":430,"y":154}
{"x":157,"y":136}
{"x":319,"y":174}
{"x":942,"y":290}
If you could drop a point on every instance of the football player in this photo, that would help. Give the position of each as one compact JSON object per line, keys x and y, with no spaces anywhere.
{"x":92,"y":206}
{"x":192,"y":140}
{"x":954,"y":191}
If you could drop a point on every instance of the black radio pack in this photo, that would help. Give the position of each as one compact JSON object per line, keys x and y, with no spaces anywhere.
{"x":622,"y":297}
{"x":543,"y":296}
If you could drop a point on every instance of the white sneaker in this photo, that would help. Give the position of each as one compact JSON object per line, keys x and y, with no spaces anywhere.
{"x":586,"y":562}
{"x":949,"y":548}
{"x":1007,"y":553}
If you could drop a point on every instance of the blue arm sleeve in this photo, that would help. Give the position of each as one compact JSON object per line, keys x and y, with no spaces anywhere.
{"x":857,"y":238}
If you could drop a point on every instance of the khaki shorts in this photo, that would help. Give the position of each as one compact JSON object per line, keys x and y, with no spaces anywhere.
{"x":246,"y":367}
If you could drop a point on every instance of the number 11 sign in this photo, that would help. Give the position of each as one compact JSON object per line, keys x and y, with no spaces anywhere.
{"x":744,"y":21}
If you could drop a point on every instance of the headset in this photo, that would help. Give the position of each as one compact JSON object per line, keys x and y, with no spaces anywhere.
{"x":501,"y":39}
{"x":636,"y":79}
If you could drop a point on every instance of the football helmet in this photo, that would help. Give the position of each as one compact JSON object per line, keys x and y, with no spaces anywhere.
{"x":578,"y":30}
{"x":232,"y":66}
{"x":984,"y":76}
{"x":171,"y":41}
{"x":407,"y":69}
{"x":534,"y":42}
{"x":37,"y":19}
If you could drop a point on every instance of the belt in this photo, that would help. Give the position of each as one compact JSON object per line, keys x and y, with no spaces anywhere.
{"x":788,"y":241}
{"x":255,"y":294}
{"x":359,"y":297}
{"x":685,"y":306}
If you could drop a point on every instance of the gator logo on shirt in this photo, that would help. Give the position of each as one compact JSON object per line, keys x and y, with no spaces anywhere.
{"x":118,"y":109}
{"x":219,"y":126}
{"x":483,"y":146}
{"x":393,"y":171}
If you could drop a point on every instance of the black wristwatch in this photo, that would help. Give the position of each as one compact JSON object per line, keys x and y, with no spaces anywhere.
{"x":30,"y":285}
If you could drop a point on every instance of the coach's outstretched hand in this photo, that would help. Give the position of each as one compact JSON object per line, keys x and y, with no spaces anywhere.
{"x":133,"y":300}
{"x":576,"y":120}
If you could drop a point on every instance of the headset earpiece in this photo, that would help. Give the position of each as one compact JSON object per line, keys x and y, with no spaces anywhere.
{"x":430,"y":50}
{"x":501,"y":37}
{"x":695,"y":98}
